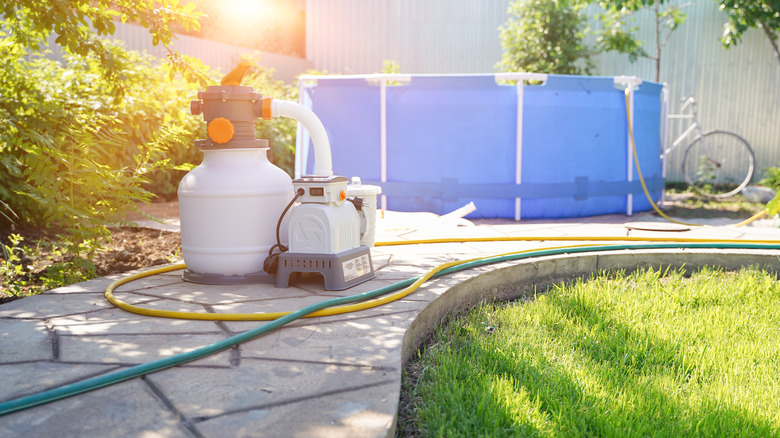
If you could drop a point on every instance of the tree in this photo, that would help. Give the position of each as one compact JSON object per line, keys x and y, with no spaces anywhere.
{"x":614,"y":35}
{"x":747,"y":14}
{"x":78,"y":25}
{"x":545,"y":36}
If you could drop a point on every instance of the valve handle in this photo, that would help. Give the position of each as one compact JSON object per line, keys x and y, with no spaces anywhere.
{"x":237,"y":75}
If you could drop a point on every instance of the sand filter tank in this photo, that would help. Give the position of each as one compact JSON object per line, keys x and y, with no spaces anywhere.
{"x":230,"y":204}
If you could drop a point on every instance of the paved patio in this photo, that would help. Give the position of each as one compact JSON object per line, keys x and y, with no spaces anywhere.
{"x":329,"y":376}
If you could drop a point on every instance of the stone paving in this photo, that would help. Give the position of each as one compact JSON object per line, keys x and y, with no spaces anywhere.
{"x":328,"y":376}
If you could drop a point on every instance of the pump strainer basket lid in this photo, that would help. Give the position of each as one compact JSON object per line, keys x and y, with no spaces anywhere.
{"x":356,"y":188}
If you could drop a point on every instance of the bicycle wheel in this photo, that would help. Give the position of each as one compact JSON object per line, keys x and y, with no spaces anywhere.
{"x":718,"y":164}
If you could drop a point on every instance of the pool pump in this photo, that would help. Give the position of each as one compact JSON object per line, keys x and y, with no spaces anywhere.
{"x":243,"y":220}
{"x":324,"y":235}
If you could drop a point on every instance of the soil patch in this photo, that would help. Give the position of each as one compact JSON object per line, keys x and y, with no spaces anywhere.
{"x":707,"y":210}
{"x":134,"y":248}
{"x":125,"y":250}
{"x":688,"y":206}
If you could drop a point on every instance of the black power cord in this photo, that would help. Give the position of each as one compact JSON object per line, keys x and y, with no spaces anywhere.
{"x":271,"y":263}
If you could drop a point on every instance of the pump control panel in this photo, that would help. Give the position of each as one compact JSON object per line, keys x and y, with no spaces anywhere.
{"x":322,"y":189}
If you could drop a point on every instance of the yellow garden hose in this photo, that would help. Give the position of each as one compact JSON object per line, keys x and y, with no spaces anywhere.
{"x":644,"y":186}
{"x":109,"y":293}
{"x":336,"y":310}
{"x":124,"y":374}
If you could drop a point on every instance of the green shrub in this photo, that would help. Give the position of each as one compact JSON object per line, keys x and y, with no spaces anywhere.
{"x":80,"y":148}
{"x":13,"y":276}
{"x":83,"y":140}
{"x":545,"y":36}
{"x":771,"y":178}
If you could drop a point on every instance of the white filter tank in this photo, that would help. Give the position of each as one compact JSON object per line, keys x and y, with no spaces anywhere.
{"x":230,"y":205}
{"x":229,"y":208}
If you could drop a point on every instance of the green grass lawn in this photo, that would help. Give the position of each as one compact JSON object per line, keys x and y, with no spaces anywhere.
{"x":641,"y":354}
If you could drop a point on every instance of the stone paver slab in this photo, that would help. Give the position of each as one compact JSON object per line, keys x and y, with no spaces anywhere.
{"x":421,"y":250}
{"x":94,"y":285}
{"x":359,"y":413}
{"x":24,"y":341}
{"x":365,"y":341}
{"x":126,"y":409}
{"x":138,"y":349}
{"x":116,"y":321}
{"x":212,"y":294}
{"x":53,"y":305}
{"x":256,"y":384}
{"x":314,"y":284}
{"x":34,"y":377}
{"x":399,"y":306}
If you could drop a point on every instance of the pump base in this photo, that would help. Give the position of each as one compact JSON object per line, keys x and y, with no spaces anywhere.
{"x":341,"y":271}
{"x":252,"y":278}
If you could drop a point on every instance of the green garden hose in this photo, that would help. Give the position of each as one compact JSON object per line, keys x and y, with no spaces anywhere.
{"x":86,"y":385}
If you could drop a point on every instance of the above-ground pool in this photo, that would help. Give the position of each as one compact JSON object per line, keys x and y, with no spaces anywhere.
{"x":435,"y":143}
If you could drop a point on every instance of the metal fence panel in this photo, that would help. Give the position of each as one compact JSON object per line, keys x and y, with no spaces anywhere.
{"x":423,"y":36}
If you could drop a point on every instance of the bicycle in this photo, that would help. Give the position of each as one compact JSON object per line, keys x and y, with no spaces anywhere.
{"x":716,"y":163}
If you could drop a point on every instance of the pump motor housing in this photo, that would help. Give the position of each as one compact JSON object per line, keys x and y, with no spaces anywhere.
{"x":325,"y":222}
{"x":324,"y":234}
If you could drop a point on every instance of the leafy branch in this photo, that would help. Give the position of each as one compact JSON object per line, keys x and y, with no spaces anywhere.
{"x":79,"y":24}
{"x":615,"y":37}
{"x":746,"y":14}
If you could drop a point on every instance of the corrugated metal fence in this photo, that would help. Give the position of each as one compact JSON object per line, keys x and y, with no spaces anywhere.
{"x":736,"y":89}
{"x":428,"y":36}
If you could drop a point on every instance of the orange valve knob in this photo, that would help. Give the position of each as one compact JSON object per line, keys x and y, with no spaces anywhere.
{"x":267,"y":113}
{"x":220,"y":130}
{"x":342,"y":195}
